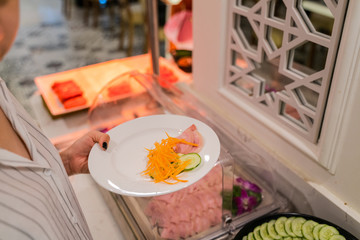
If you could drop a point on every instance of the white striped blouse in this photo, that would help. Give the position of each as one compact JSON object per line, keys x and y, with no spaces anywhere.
{"x":36,"y":198}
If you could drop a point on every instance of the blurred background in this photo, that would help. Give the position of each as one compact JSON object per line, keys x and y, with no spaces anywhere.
{"x":58,"y":35}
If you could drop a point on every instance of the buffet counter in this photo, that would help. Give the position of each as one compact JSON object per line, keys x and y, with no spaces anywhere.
{"x":128,"y":217}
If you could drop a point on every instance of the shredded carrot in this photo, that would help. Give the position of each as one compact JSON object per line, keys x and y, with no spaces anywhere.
{"x":164,"y":163}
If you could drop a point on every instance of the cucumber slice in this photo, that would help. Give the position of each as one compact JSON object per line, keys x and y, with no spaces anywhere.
{"x":287,"y":238}
{"x":316,"y":231}
{"x":307,"y":229}
{"x":288,"y":227}
{"x":296,"y":225}
{"x":263,"y":232}
{"x":327,"y":232}
{"x":271,"y":230}
{"x":280,"y":226}
{"x":245,"y":238}
{"x":257,"y":235}
{"x":250,"y":236}
{"x":194,"y":158}
{"x":337,"y":237}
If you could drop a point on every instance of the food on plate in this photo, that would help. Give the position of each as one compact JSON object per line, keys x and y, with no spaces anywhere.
{"x":294,"y":227}
{"x":119,"y":89}
{"x":69,"y":93}
{"x":164,"y":163}
{"x":189,"y":211}
{"x":191,"y":134}
{"x":173,"y":155}
{"x":194,"y":159}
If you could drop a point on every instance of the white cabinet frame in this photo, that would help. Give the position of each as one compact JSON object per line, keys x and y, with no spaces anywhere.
{"x":334,"y":162}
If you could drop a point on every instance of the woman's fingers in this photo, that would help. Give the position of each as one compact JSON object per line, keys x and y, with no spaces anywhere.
{"x":102,"y":138}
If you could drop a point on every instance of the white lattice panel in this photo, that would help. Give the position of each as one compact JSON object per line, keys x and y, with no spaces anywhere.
{"x":281,"y":56}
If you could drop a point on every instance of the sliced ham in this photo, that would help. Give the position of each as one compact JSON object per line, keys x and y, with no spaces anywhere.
{"x":189,"y":211}
{"x":191,"y":134}
{"x":170,"y":232}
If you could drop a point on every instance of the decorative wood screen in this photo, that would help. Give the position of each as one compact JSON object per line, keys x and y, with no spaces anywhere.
{"x":281,"y":55}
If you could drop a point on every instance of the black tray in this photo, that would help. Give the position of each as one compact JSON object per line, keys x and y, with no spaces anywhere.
{"x":249,"y":227}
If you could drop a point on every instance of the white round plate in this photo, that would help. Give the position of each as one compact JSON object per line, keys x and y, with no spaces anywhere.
{"x":118,"y":169}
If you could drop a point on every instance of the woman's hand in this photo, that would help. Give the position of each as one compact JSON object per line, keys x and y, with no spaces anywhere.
{"x":75,"y":157}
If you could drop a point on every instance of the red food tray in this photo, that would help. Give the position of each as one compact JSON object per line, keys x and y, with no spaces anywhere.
{"x":93,"y":78}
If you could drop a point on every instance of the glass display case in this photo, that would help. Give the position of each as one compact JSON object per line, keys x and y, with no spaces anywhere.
{"x":238,"y":189}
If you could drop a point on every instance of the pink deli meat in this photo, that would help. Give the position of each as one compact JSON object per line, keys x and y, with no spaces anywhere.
{"x":189,"y":211}
{"x":191,"y":134}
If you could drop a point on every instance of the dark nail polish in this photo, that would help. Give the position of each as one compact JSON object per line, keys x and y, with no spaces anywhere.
{"x":104,"y":145}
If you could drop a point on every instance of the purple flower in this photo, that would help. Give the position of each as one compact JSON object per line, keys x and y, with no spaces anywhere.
{"x":248,"y":185}
{"x":245,"y":202}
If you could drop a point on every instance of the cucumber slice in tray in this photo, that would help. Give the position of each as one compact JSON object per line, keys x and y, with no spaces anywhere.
{"x":257,"y":235}
{"x":272,"y":231}
{"x":264,"y":232}
{"x":327,"y":232}
{"x":308,"y":229}
{"x":280,"y":226}
{"x":250,"y":236}
{"x":316,"y":231}
{"x":288,"y":227}
{"x":294,"y":228}
{"x":337,"y":237}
